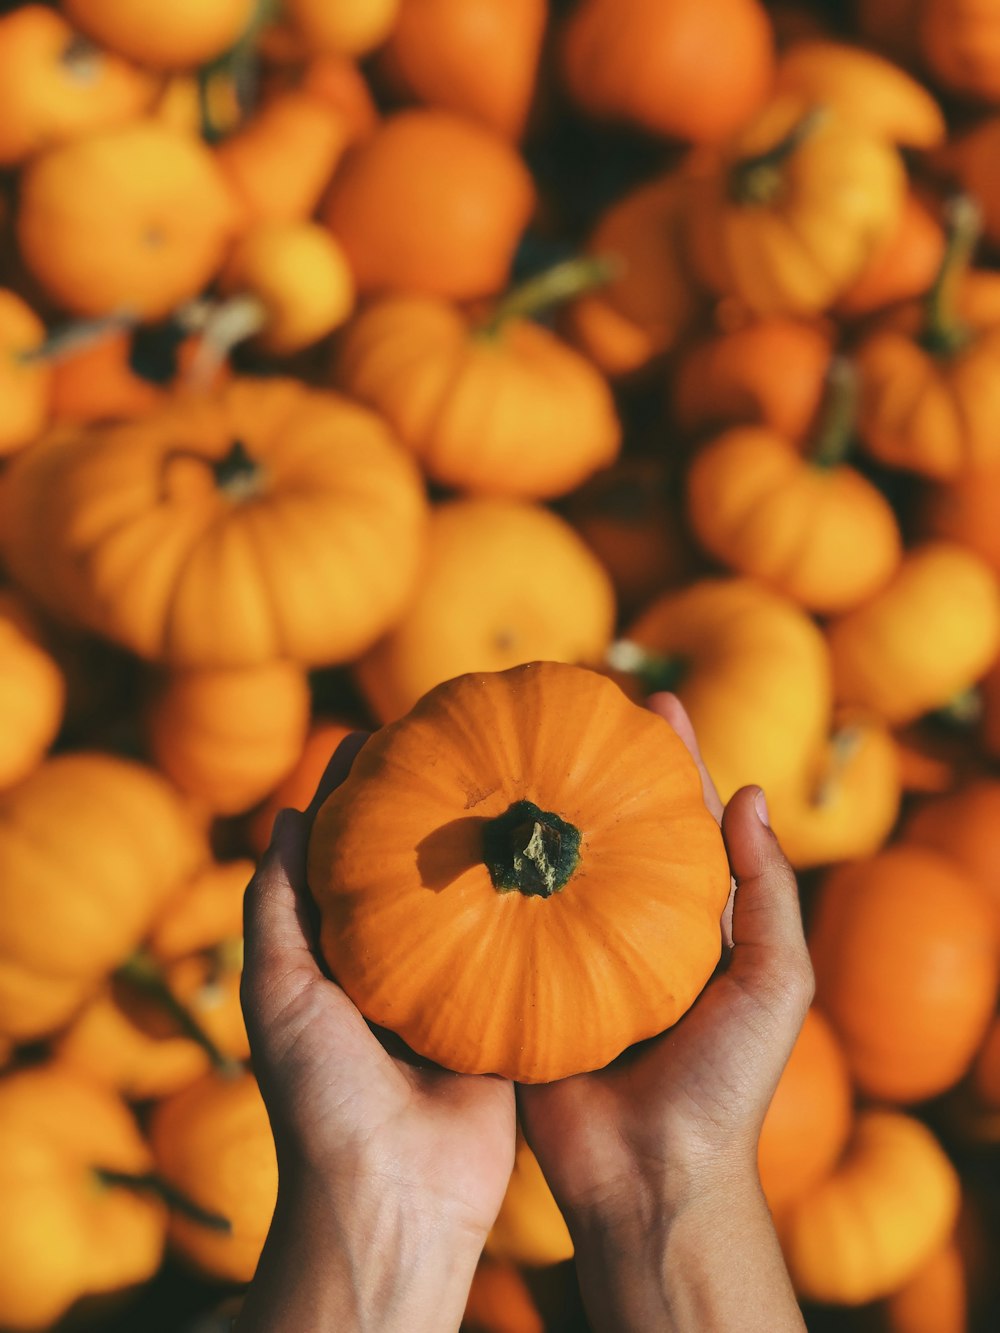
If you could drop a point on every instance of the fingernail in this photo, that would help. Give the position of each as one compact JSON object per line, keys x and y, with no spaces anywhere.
{"x":760,"y":805}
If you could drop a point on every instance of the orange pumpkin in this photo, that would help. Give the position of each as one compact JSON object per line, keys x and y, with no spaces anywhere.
{"x":55,"y":85}
{"x":133,"y":219}
{"x":345,"y":27}
{"x":904,"y":268}
{"x":500,"y":1301}
{"x":935,"y":1299}
{"x":968,"y":161}
{"x":787,"y":215}
{"x":66,"y":1228}
{"x":476,"y":57}
{"x":958,"y":41}
{"x":549,"y":599}
{"x":181,"y":35}
{"x":430,"y":203}
{"x":964,"y":825}
{"x":925,"y":637}
{"x":213,"y":1143}
{"x":32,"y":693}
{"x":341,"y":84}
{"x":676,"y":67}
{"x":25,"y":380}
{"x":499,"y":407}
{"x":536,"y":977}
{"x":810,"y":1116}
{"x":963,"y":511}
{"x":529,"y":1228}
{"x":891,"y":1202}
{"x":225,"y":531}
{"x":910,"y":1018}
{"x":77,"y":906}
{"x":227,"y":736}
{"x":299,"y":787}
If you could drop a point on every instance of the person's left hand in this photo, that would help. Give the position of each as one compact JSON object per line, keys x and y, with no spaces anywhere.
{"x":399,"y":1165}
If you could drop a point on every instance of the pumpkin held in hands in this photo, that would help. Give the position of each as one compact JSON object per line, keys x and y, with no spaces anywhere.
{"x":520,"y":876}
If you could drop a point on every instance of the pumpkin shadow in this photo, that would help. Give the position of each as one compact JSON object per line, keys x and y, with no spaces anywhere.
{"x":449,"y":851}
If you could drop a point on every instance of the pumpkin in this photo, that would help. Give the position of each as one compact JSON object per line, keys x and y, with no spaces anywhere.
{"x":929,"y":634}
{"x":55,"y":85}
{"x":751,"y":669}
{"x":476,"y":57}
{"x":75,"y":907}
{"x":227,"y":736}
{"x":904,"y":268}
{"x":968,"y":161}
{"x":674,"y":67}
{"x":32,"y":693}
{"x":529,"y":1228}
{"x":963,"y":511}
{"x":281,"y":161}
{"x":67,"y":1229}
{"x":814,"y":528}
{"x":650,"y":301}
{"x":935,"y":1299}
{"x":131,"y":219}
{"x":499,"y":407}
{"x":549,"y":598}
{"x":346,"y":27}
{"x":500,"y":1301}
{"x":340,"y":83}
{"x":910,"y":1017}
{"x":298,"y":788}
{"x":770,"y":372}
{"x":213,"y":1142}
{"x":563,"y":952}
{"x":964,"y":825}
{"x":788,"y":214}
{"x":891,"y":1202}
{"x":225,"y":531}
{"x":958,"y":41}
{"x":179,"y":36}
{"x":431,"y":203}
{"x":25,"y":377}
{"x":810,"y":1116}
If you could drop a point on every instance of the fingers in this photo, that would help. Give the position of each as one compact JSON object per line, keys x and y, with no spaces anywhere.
{"x":670,"y":708}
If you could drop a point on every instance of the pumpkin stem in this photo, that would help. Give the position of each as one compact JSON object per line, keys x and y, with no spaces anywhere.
{"x":146,"y":975}
{"x":71,"y":338}
{"x":844,"y":745}
{"x":944,"y":332}
{"x":223,"y":325}
{"x":531,"y":850}
{"x":964,"y":710}
{"x":835,"y":432}
{"x":82,"y":61}
{"x":227,"y":87}
{"x":554,"y":286}
{"x":760,"y":179}
{"x":150,"y":1183}
{"x":654,"y":671}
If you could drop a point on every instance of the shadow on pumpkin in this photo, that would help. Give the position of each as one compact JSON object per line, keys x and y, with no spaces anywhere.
{"x":450,"y":851}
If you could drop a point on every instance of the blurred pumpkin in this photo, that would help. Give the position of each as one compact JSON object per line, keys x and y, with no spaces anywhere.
{"x":299,"y":787}
{"x":963,"y":511}
{"x":340,"y":83}
{"x":70,"y":1225}
{"x":907,"y":960}
{"x":964,"y":825}
{"x":968,"y":160}
{"x":181,"y":35}
{"x":32,"y":692}
{"x":935,"y":1299}
{"x":55,"y":85}
{"x":345,"y":27}
{"x":588,"y":922}
{"x":884,"y":1210}
{"x":904,"y":268}
{"x":500,"y":1301}
{"x":675,"y":67}
{"x":549,"y":600}
{"x":25,"y":376}
{"x":959,"y":42}
{"x":133,"y":219}
{"x":529,"y":1228}
{"x":476,"y":57}
{"x":932,"y":631}
{"x":431,"y":203}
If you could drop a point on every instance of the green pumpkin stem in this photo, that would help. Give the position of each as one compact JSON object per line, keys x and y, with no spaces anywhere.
{"x":563,"y":282}
{"x":963,"y":711}
{"x":760,"y":179}
{"x":835,"y":433}
{"x":223,"y":325}
{"x":82,"y":333}
{"x":944,"y":332}
{"x":654,"y":671}
{"x":146,"y":975}
{"x":844,"y":745}
{"x":150,"y":1183}
{"x":530,"y":850}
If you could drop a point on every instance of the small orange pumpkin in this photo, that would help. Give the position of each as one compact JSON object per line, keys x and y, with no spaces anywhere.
{"x":935,"y":1299}
{"x":904,"y":268}
{"x":564,"y":951}
{"x":964,"y":825}
{"x":25,"y":379}
{"x":182,"y":35}
{"x":529,"y":1228}
{"x":958,"y":41}
{"x":910,"y":1019}
{"x":32,"y":693}
{"x":299,"y":787}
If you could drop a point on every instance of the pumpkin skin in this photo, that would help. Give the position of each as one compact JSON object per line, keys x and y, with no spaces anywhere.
{"x":77,"y":907}
{"x":63,"y":1232}
{"x":187,"y":34}
{"x":430,"y":203}
{"x":935,"y":1299}
{"x":182,"y":559}
{"x":529,"y":1228}
{"x":671,"y":66}
{"x":964,"y":825}
{"x":32,"y":693}
{"x":213,"y":1142}
{"x":25,"y":385}
{"x":298,"y":788}
{"x":810,"y":1116}
{"x":904,"y":268}
{"x":910,"y":1022}
{"x":926,"y":636}
{"x":507,"y":412}
{"x":958,"y":40}
{"x":888,"y":1206}
{"x":969,"y":160}
{"x":792,"y":237}
{"x":549,"y":599}
{"x":339,"y":83}
{"x":56,"y":86}
{"x":963,"y":511}
{"x":500,"y":1301}
{"x":504,"y":736}
{"x":476,"y":57}
{"x":345,"y":27}
{"x":136,"y":218}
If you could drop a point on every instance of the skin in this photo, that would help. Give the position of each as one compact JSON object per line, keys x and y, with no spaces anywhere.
{"x":392,"y":1170}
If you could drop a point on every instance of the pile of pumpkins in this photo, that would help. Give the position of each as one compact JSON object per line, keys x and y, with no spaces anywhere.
{"x":351,"y":345}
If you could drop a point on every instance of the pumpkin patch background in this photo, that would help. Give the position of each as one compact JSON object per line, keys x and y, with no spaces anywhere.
{"x":347,"y":346}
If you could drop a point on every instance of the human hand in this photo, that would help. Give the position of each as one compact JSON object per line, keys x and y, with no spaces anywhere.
{"x":391,"y":1170}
